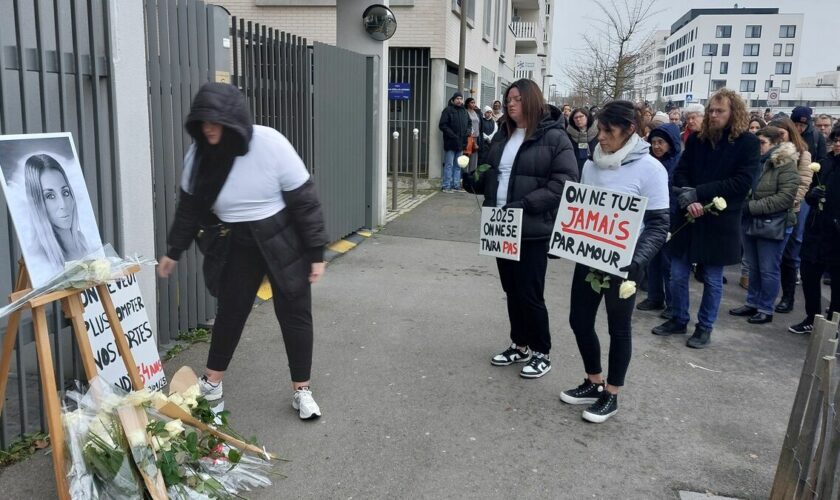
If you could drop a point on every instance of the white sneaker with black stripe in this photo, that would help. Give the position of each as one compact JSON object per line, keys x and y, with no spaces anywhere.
{"x":210,"y":391}
{"x":512,"y":354}
{"x":539,"y":365}
{"x":305,"y":404}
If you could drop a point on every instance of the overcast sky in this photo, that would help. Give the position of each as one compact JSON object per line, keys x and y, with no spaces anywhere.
{"x":572,"y":18}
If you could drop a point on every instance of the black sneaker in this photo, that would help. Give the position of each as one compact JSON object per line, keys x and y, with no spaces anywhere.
{"x":650,"y":305}
{"x":601,"y":410}
{"x":668,"y":313}
{"x":539,"y":365}
{"x":586,"y":393}
{"x":700,"y":338}
{"x":511,"y":355}
{"x":803,"y":328}
{"x":669,"y":327}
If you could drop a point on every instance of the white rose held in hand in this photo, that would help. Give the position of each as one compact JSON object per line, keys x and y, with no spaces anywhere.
{"x":815,"y":167}
{"x":627,"y":289}
{"x":463,"y":161}
{"x":719,"y":203}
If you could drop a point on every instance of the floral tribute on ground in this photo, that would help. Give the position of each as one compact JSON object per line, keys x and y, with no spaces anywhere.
{"x":147,"y":444}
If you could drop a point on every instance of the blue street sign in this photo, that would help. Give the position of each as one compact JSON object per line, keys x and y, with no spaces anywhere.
{"x":399,"y":91}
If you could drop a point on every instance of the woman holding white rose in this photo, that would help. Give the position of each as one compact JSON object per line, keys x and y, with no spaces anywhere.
{"x":621,"y":162}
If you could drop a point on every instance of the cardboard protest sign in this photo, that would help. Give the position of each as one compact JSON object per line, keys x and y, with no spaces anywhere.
{"x":597,"y":227}
{"x":501,"y":233}
{"x":131,"y":310}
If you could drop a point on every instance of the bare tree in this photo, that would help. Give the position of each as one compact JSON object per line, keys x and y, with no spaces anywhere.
{"x":607,"y":67}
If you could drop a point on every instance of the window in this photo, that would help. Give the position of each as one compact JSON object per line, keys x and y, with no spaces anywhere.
{"x":710,"y":49}
{"x":725,"y":50}
{"x":496,"y":26}
{"x":777,"y":49}
{"x":788,"y":49}
{"x":747,"y":85}
{"x":783,"y":68}
{"x":707,"y":67}
{"x":785,"y":86}
{"x":749,"y":68}
{"x":751,"y":49}
{"x":787,"y":31}
{"x":456,"y":8}
{"x":718,"y":84}
{"x":767,"y":85}
{"x":753,"y":31}
{"x":724,"y":68}
{"x":723,"y":31}
{"x":488,"y":19}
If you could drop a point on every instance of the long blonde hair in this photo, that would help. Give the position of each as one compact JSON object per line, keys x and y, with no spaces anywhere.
{"x":739,"y":119}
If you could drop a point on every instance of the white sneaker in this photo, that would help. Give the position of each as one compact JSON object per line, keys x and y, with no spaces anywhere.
{"x":304,"y":403}
{"x":210,"y":391}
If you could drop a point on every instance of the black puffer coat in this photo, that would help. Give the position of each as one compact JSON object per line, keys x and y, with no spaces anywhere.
{"x":290,"y":240}
{"x":544,"y":163}
{"x":455,"y":125}
{"x":725,"y":170}
{"x":821,"y":241}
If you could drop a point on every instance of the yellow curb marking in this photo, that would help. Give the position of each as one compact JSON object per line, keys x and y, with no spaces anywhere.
{"x":264,"y":293}
{"x":366,"y":234}
{"x":341,"y":246}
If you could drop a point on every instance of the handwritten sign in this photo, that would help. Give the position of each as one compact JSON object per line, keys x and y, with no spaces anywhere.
{"x":597,"y":227}
{"x":131,"y":310}
{"x":501,"y":233}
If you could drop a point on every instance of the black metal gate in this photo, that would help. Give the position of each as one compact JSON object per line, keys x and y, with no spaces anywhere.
{"x":413,"y":66}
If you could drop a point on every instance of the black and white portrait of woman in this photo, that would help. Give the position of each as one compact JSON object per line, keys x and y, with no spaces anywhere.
{"x":48,"y":200}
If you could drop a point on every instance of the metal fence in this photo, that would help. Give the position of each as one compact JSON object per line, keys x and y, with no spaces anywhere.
{"x":54,"y":76}
{"x":413,"y":66}
{"x":179,"y":62}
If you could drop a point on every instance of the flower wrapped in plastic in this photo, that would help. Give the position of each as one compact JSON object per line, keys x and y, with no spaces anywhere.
{"x":95,"y":268}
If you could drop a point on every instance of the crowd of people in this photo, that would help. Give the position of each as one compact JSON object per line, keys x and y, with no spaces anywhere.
{"x":725,"y":186}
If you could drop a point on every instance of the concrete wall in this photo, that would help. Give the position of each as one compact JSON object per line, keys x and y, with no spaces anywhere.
{"x":133,"y":148}
{"x":312,"y":23}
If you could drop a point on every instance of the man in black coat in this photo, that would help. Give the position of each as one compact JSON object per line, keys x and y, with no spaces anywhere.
{"x":801,"y":117}
{"x":455,"y":125}
{"x":718,"y":161}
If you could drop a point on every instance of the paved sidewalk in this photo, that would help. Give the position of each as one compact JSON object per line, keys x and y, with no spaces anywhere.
{"x":405,"y":325}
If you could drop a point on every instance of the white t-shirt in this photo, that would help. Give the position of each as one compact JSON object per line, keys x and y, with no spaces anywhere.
{"x":506,"y":164}
{"x":643,"y":177}
{"x":254,"y":188}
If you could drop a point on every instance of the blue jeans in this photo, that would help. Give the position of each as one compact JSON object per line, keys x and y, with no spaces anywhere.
{"x":451,"y":178}
{"x":712,"y":292}
{"x":764,"y":258}
{"x":659,"y":277}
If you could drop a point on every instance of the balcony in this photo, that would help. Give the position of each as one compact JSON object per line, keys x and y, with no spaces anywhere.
{"x":528,"y":35}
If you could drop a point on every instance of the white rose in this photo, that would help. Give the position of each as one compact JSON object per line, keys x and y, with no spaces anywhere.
{"x":161,"y":443}
{"x":100,"y":270}
{"x":98,"y":427}
{"x":191,"y":402}
{"x":192,"y":392}
{"x":463,"y":161}
{"x":174,"y":427}
{"x":137,"y":437}
{"x":159,"y":399}
{"x":177,"y":399}
{"x":719,"y":202}
{"x":138,"y":398}
{"x":815,"y":167}
{"x":668,"y":238}
{"x":627,"y":289}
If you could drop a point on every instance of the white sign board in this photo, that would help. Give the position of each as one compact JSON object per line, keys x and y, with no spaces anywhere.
{"x":597,"y":227}
{"x":131,"y":310}
{"x":773,"y":96}
{"x":501,"y":233}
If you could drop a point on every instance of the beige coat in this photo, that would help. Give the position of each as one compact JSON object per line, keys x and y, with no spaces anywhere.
{"x":803,"y":167}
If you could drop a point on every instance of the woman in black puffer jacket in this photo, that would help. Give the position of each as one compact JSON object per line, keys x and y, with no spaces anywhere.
{"x":531,"y":158}
{"x":250,"y":179}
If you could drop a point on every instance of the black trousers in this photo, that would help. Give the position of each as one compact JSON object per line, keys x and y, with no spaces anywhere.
{"x":241,"y":280}
{"x":812,"y":274}
{"x":524,"y":284}
{"x":582,"y":312}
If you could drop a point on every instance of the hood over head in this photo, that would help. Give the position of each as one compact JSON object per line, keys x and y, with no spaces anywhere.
{"x":669,"y":132}
{"x":224,"y":104}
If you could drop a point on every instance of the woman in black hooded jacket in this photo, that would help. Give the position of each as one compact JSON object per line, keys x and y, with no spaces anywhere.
{"x":250,"y":179}
{"x":531,"y":158}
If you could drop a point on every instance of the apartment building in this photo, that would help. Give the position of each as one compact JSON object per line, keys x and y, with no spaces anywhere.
{"x":506,"y":40}
{"x":647,"y":84}
{"x":747,"y":50}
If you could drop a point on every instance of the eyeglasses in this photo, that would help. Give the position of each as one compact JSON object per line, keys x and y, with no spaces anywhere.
{"x":515,"y":98}
{"x":835,"y":141}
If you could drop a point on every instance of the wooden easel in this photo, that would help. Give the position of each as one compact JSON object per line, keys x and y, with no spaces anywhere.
{"x":73,"y":309}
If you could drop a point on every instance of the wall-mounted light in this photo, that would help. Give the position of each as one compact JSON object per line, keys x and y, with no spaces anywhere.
{"x":379,"y":22}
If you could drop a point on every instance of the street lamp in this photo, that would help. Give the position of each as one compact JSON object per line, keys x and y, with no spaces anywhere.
{"x":551,"y":92}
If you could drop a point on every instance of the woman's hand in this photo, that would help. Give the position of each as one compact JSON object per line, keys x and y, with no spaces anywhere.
{"x":317,"y":271}
{"x":165,"y":266}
